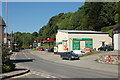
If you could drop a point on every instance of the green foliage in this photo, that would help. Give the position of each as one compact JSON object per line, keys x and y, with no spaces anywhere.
{"x":106,"y":29}
{"x":7,"y":65}
{"x":24,"y":40}
{"x":101,"y":15}
{"x":96,"y":60}
{"x":91,"y":53}
{"x":116,"y":18}
{"x":5,"y":55}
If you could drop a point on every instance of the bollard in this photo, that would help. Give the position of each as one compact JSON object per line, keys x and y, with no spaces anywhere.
{"x":109,"y":58}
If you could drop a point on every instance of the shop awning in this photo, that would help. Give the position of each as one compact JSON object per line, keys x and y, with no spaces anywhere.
{"x":59,"y":42}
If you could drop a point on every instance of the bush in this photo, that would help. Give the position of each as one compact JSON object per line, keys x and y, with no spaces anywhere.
{"x":34,"y":49}
{"x":37,"y":49}
{"x":5,"y":68}
{"x":91,"y":53}
{"x":8,"y":66}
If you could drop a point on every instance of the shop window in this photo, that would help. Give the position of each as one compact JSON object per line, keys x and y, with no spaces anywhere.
{"x":89,"y":44}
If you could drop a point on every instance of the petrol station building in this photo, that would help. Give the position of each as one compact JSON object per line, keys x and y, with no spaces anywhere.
{"x":67,"y":40}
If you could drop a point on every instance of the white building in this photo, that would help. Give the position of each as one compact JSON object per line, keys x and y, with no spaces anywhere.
{"x":116,"y":38}
{"x":67,"y":40}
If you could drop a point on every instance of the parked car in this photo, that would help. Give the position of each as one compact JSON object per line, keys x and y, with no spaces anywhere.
{"x":78,"y":52}
{"x":69,"y":55}
{"x":106,"y":48}
{"x":46,"y":49}
{"x":16,"y":50}
{"x":41,"y":49}
{"x":51,"y":50}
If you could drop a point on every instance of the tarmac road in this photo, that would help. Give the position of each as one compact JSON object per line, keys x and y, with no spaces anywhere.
{"x":41,"y":68}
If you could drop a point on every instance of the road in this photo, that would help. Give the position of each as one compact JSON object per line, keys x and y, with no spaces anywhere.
{"x":41,"y":68}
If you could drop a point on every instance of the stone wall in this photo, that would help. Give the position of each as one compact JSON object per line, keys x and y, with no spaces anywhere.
{"x":111,"y":59}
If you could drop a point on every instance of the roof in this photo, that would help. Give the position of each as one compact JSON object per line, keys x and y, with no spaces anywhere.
{"x":2,"y":23}
{"x":82,"y":32}
{"x":116,"y":29}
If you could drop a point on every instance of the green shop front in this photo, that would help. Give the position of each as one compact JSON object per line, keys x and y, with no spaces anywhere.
{"x":77,"y":46}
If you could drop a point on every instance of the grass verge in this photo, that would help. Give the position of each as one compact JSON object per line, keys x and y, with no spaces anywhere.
{"x":91,"y":53}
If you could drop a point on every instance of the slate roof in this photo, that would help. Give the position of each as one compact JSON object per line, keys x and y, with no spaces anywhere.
{"x":2,"y":23}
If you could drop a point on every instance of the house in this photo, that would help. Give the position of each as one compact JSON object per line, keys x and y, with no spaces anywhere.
{"x":116,"y":37}
{"x":67,"y":40}
{"x":2,"y":25}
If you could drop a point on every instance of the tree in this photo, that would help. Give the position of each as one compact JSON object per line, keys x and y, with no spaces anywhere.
{"x":35,"y":34}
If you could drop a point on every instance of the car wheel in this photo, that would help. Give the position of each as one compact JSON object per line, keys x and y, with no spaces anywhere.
{"x":78,"y":58}
{"x":63,"y":58}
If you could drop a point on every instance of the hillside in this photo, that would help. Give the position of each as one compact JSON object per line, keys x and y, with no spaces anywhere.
{"x":91,"y":16}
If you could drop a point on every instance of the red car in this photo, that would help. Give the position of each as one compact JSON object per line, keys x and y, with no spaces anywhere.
{"x":41,"y":49}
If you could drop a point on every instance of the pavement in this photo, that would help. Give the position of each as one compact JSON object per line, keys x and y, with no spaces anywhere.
{"x":85,"y":62}
{"x":19,"y":70}
{"x":48,"y":65}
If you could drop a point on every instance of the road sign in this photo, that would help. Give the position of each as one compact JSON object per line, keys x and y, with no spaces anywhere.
{"x":35,"y":41}
{"x":34,"y":44}
{"x":38,"y":44}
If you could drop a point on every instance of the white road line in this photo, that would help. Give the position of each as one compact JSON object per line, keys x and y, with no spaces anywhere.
{"x":15,"y":55}
{"x":43,"y":74}
{"x":47,"y":77}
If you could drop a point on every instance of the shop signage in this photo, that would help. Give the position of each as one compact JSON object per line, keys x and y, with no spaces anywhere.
{"x":87,"y":50}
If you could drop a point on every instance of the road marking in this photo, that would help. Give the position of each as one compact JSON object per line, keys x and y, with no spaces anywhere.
{"x":26,"y":56}
{"x":15,"y":55}
{"x":23,"y":53}
{"x":44,"y":75}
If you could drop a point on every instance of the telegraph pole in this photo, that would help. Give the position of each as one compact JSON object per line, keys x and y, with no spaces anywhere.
{"x":15,"y":41}
{"x":23,"y":43}
{"x":11,"y":36}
